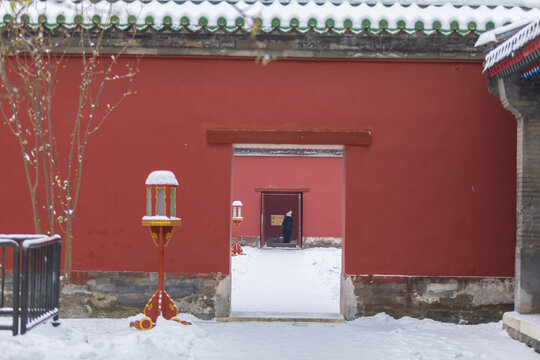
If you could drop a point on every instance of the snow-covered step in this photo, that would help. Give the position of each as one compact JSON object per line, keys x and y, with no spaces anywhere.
{"x":523,"y":327}
{"x":282,"y":316}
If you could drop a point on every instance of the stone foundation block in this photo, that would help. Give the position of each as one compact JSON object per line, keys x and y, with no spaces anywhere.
{"x":308,"y":241}
{"x":120,"y":294}
{"x":451,"y":299}
{"x":524,"y":328}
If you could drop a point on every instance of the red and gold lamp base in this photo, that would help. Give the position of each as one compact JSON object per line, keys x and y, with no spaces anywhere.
{"x":236,"y":248}
{"x":159,"y":304}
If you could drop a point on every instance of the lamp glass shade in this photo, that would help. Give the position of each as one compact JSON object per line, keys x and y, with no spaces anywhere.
{"x":173,"y":202}
{"x":149,"y":201}
{"x":160,"y":201}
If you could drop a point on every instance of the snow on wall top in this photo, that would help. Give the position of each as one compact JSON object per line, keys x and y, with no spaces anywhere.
{"x":445,"y":16}
{"x":161,"y":177}
{"x":508,"y":48}
{"x":507,"y":3}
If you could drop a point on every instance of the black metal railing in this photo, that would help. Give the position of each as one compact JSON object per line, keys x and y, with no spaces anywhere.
{"x":35,"y":280}
{"x":10,"y":307}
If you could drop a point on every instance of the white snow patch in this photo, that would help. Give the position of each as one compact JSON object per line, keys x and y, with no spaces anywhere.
{"x":378,"y":337}
{"x":279,"y":280}
{"x":159,"y":217}
{"x":161,"y":177}
{"x":102,"y":339}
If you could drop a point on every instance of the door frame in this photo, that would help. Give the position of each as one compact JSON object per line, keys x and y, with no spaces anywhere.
{"x":299,"y":191}
{"x":346,"y":138}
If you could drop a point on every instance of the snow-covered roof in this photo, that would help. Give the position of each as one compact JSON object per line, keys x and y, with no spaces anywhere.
{"x":493,"y":36}
{"x":357,"y":16}
{"x":529,"y":35}
{"x":161,"y":177}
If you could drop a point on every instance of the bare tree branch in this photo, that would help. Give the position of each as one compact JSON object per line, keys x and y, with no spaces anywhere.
{"x":31,"y":64}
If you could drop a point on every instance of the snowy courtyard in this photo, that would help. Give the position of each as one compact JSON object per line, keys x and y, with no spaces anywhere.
{"x":296,"y":281}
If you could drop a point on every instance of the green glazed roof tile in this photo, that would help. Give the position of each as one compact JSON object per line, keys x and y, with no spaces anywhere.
{"x":356,"y":16}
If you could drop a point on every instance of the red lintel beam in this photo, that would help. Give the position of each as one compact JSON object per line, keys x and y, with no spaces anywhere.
{"x":281,"y":190}
{"x":301,"y":137}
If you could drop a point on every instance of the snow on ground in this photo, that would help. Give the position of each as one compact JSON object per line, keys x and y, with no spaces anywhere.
{"x":378,"y":337}
{"x":286,"y":280}
{"x":372,"y":338}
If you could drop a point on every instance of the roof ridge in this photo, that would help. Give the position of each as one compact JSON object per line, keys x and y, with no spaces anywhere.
{"x":300,"y":15}
{"x":457,"y":3}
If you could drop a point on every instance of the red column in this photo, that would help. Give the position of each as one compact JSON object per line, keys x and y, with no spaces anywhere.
{"x":161,"y":260}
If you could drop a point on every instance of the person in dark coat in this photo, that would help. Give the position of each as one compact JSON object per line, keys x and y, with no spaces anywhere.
{"x":287,"y":227}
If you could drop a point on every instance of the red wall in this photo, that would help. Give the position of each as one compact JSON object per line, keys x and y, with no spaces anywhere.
{"x":321,"y":175}
{"x":433,"y":195}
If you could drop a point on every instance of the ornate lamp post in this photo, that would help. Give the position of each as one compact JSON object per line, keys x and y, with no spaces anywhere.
{"x":161,"y":219}
{"x":236,"y":219}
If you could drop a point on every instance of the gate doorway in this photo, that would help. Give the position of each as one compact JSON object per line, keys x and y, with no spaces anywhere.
{"x":256,"y":294}
{"x":274,"y":206}
{"x":300,"y":279}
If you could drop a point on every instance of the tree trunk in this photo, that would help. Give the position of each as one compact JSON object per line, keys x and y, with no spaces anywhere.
{"x":67,"y":253}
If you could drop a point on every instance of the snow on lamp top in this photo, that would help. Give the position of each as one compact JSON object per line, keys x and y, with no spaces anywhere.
{"x":161,"y":177}
{"x":237,"y":210}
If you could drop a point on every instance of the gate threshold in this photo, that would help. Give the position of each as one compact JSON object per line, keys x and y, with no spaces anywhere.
{"x":240,"y":316}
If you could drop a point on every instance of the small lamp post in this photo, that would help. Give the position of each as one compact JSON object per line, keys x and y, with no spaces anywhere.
{"x":161,"y":218}
{"x":236,"y":219}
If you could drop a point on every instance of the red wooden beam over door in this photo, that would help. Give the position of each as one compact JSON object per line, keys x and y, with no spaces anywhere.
{"x":281,"y":189}
{"x":300,"y":137}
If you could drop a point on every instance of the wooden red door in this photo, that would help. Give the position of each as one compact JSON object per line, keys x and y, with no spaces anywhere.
{"x":274,"y":206}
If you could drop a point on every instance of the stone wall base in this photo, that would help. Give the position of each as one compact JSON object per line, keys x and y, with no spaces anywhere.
{"x":117,"y":294}
{"x":311,"y":242}
{"x":253,"y":241}
{"x":308,"y":241}
{"x":452,"y":299}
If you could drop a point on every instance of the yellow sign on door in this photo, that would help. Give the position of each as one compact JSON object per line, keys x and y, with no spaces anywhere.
{"x":276,"y":220}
